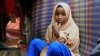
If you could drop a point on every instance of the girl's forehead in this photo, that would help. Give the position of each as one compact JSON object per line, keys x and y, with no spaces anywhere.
{"x":60,"y":9}
{"x":60,"y":6}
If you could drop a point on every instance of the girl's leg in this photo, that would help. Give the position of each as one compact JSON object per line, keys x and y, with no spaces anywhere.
{"x":36,"y":47}
{"x":58,"y":49}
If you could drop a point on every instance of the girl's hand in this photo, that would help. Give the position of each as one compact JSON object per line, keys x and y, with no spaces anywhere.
{"x":61,"y":40}
{"x":55,"y":30}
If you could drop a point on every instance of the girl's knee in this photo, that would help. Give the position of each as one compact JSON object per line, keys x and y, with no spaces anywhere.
{"x":58,"y":49}
{"x":36,"y":41}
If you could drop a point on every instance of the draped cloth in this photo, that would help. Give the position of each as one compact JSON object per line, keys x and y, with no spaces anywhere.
{"x":69,"y":31}
{"x":37,"y":46}
{"x":58,"y":49}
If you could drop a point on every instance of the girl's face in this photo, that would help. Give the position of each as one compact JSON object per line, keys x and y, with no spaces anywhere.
{"x":60,"y":15}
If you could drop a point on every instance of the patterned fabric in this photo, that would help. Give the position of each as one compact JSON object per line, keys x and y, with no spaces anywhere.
{"x":85,"y":13}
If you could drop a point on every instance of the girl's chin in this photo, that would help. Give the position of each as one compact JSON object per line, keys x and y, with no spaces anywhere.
{"x":59,"y":22}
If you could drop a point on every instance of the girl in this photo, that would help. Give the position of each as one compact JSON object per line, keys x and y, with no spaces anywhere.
{"x":62,"y":34}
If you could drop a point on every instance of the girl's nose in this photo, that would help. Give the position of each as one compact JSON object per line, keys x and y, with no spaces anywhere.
{"x":59,"y":16}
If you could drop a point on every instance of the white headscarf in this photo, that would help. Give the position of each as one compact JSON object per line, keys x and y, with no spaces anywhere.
{"x":67,"y":11}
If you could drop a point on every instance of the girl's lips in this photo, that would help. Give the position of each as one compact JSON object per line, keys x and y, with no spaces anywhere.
{"x":59,"y":21}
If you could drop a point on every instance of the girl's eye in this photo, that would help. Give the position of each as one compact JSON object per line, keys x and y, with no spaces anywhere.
{"x":60,"y":14}
{"x":56,"y":13}
{"x":63,"y":14}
